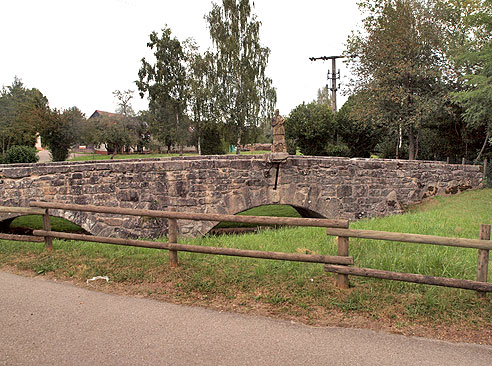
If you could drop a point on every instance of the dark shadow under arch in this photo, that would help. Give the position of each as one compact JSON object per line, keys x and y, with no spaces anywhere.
{"x":280,"y":210}
{"x":25,"y":224}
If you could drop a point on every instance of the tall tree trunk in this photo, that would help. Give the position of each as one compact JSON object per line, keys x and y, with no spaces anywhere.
{"x":238,"y":147}
{"x":487,"y":136}
{"x":411,"y":144}
{"x":178,"y":136}
{"x":398,"y":142}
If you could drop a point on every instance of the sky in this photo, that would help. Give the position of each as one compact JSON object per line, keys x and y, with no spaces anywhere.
{"x":77,"y":52}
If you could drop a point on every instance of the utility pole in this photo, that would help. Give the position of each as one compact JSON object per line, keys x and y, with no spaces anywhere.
{"x":333,"y":76}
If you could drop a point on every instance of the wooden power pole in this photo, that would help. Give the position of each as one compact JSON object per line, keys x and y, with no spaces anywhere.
{"x":333,"y":76}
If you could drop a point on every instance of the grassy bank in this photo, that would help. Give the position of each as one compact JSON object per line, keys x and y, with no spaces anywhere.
{"x":301,"y":291}
{"x":90,"y":157}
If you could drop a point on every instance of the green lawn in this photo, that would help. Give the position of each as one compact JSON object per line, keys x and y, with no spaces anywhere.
{"x":35,"y":222}
{"x":299,"y":290}
{"x":90,"y":157}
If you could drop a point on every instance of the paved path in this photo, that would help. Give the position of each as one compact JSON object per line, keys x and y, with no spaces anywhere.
{"x":51,"y":323}
{"x":44,"y":156}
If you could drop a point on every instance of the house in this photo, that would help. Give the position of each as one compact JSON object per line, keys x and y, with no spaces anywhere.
{"x":100,"y":149}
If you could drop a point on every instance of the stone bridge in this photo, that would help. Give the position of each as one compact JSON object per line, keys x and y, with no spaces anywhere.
{"x":316,"y":186}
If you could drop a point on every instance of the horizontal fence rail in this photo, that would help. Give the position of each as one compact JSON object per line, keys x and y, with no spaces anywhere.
{"x":263,"y":220}
{"x":412,"y":238}
{"x":411,"y":277}
{"x":16,"y":237}
{"x":202,"y":249}
{"x":23,"y":210}
{"x":340,"y":264}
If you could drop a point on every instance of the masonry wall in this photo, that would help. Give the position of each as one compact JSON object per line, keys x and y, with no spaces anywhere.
{"x":317,"y":186}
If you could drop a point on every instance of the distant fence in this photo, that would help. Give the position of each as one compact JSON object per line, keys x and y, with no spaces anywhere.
{"x":341,"y":264}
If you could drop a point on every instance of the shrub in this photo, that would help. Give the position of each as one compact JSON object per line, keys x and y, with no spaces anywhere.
{"x":313,"y":128}
{"x":21,"y":154}
{"x":212,"y":144}
{"x":291,"y":146}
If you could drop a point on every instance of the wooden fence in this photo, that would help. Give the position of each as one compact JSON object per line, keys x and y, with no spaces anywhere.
{"x":340,"y":264}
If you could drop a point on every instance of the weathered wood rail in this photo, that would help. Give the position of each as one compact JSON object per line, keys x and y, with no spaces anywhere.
{"x":340,"y":264}
{"x":173,"y":247}
{"x":484,"y":245}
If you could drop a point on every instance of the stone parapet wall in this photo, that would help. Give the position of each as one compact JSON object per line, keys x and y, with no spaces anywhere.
{"x":317,"y":186}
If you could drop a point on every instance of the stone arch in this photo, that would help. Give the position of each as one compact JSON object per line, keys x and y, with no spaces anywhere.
{"x":307,"y":202}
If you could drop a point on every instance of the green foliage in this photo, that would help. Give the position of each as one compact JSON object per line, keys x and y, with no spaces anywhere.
{"x":21,"y":154}
{"x":212,"y":143}
{"x":165,"y":82}
{"x":245,"y":94}
{"x":399,"y":65}
{"x":116,"y":133}
{"x":124,"y":102}
{"x":314,"y":130}
{"x":291,"y":145}
{"x":360,"y":135}
{"x":20,"y":112}
{"x":203,"y":88}
{"x":58,"y":131}
{"x":476,"y":97}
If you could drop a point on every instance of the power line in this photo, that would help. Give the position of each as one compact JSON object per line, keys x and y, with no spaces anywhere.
{"x":333,"y":76}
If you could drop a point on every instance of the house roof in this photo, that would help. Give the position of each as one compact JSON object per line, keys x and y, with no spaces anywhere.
{"x":98,"y":113}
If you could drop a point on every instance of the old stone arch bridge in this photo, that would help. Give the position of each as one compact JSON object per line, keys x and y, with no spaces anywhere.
{"x":316,"y":186}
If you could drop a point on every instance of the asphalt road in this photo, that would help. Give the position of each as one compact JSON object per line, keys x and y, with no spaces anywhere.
{"x":51,"y":323}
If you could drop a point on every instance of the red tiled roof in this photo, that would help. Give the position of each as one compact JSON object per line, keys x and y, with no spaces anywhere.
{"x":105,"y":114}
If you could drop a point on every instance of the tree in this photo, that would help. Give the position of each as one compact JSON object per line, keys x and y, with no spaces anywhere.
{"x":476,"y":56}
{"x":21,"y":111}
{"x":202,"y":85}
{"x":138,"y":126}
{"x":399,"y":67}
{"x":124,"y":102}
{"x":165,"y":83}
{"x":115,"y":133}
{"x":58,"y":131}
{"x":312,"y":128}
{"x":245,"y":93}
{"x":323,"y":96}
{"x":361,"y":136}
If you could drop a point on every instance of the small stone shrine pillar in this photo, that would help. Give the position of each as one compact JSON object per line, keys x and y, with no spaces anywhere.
{"x":278,"y":134}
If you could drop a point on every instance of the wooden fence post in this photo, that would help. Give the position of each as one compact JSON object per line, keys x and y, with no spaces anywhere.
{"x":447,"y":160}
{"x":343,"y":250}
{"x":463,"y":161}
{"x":172,"y":226}
{"x":48,"y":241}
{"x":483,"y":258}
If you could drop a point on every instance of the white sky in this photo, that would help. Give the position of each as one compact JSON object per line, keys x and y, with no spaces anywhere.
{"x":77,"y":52}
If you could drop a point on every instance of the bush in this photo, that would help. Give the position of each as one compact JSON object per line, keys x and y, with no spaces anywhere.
{"x":313,"y":129}
{"x":291,"y":146}
{"x":337,"y":150}
{"x":21,"y":154}
{"x":212,"y":144}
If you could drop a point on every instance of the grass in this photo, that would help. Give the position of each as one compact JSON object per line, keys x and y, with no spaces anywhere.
{"x":302,"y":291}
{"x":90,"y":157}
{"x":35,"y":222}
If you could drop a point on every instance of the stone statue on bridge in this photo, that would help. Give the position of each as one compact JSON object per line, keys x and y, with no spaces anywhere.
{"x":278,"y":134}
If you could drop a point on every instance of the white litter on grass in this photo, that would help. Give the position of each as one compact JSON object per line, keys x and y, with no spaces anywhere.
{"x":98,"y":278}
